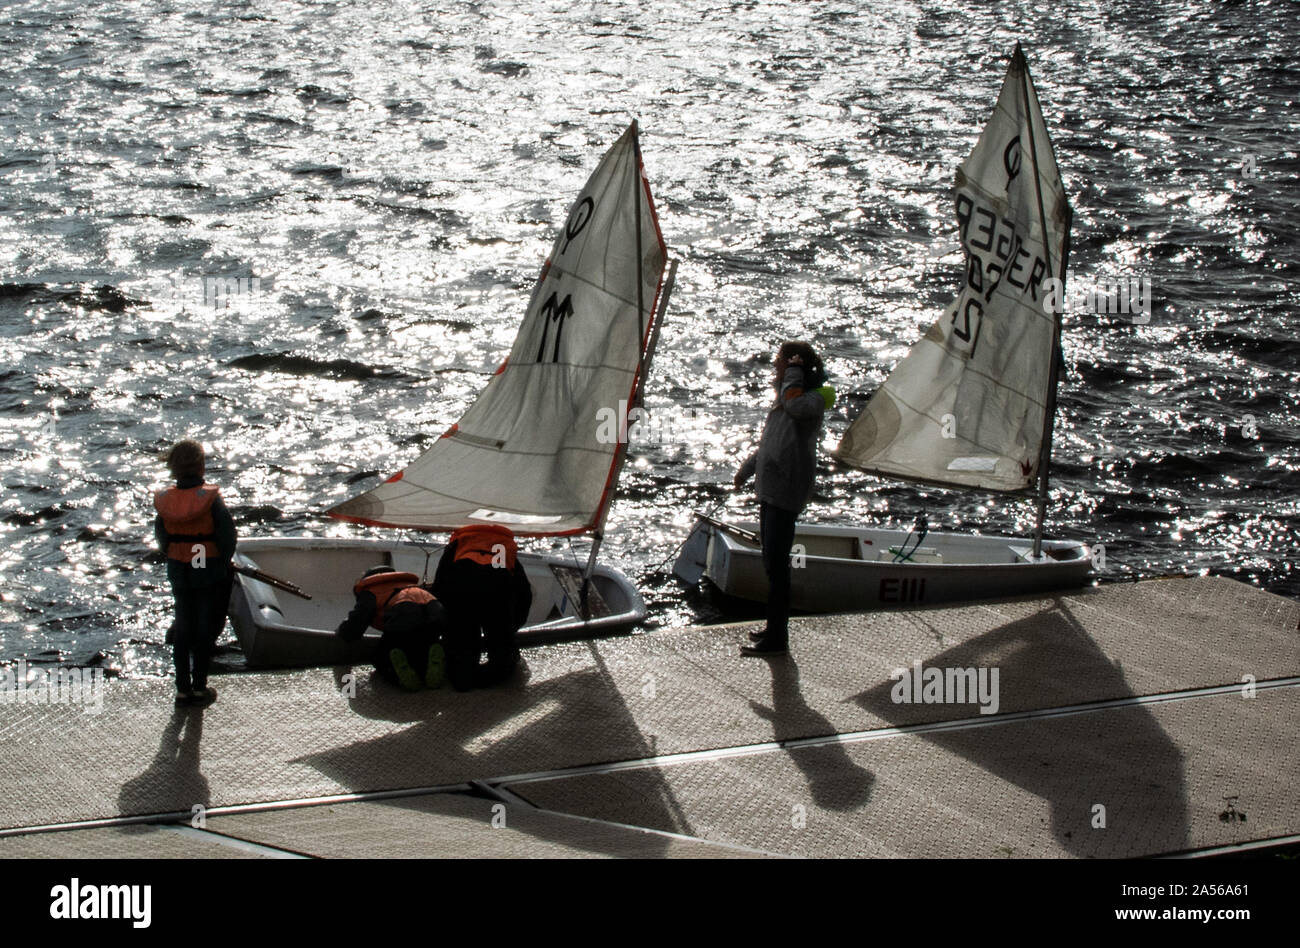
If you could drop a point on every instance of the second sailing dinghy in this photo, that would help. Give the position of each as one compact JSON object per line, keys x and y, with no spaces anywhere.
{"x":970,"y":406}
{"x":528,"y":453}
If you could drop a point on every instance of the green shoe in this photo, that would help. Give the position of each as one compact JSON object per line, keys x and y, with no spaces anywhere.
{"x":433,"y":672}
{"x":406,"y":675}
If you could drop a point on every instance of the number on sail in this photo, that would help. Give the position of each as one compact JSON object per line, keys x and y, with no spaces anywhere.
{"x":557,"y":313}
{"x":577,"y":221}
{"x":962,"y":326}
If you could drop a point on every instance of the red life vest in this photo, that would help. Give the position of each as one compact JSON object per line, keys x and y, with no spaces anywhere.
{"x":187,"y":519}
{"x":478,"y":542}
{"x":391,"y":589}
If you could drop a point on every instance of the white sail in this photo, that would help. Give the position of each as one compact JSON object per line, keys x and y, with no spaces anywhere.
{"x":968,"y":406}
{"x":529,"y":453}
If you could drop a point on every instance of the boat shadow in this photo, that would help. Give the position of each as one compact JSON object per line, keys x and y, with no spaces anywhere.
{"x":576,"y":718}
{"x":1121,"y":760}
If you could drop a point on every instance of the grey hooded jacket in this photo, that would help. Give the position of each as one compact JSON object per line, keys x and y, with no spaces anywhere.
{"x":786,"y":459}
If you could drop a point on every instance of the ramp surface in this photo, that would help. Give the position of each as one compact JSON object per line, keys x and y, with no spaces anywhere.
{"x":322,"y":732}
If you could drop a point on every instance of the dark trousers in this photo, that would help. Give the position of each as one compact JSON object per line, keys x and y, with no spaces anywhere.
{"x":198,"y":610}
{"x":413,"y":629}
{"x":776,"y":532}
{"x":483,"y":613}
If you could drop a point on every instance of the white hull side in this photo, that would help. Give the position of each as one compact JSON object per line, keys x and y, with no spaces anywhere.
{"x":837,"y":576}
{"x":277,"y":629}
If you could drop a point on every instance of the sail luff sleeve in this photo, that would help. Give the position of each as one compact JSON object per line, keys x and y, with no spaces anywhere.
{"x":641,"y":190}
{"x":1054,"y":356}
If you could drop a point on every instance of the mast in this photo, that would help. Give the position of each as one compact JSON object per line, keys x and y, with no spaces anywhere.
{"x":640,"y":284}
{"x":1049,"y":415}
{"x":1045,"y":455}
{"x":599,"y":533}
{"x":646,"y":352}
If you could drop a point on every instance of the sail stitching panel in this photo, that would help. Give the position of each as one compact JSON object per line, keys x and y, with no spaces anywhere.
{"x":950,"y":376}
{"x":516,"y":447}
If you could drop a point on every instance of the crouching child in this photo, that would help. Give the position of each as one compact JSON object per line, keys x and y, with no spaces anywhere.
{"x":488,"y":597}
{"x":412,"y":622}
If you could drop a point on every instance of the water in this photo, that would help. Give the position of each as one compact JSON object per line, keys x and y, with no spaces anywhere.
{"x":385,"y":179}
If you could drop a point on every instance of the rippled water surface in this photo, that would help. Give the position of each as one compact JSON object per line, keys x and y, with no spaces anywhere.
{"x":386,"y":177}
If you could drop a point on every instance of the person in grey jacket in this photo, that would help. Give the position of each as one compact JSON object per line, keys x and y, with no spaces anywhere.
{"x":785,"y":464}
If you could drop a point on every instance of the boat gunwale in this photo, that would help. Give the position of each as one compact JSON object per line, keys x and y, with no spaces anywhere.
{"x":737,"y":545}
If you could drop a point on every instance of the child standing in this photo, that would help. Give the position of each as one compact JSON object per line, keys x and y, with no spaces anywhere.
{"x":195,"y":531}
{"x":785,"y":464}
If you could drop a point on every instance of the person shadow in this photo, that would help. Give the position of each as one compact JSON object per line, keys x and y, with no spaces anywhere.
{"x":835,"y":782}
{"x":173,"y":781}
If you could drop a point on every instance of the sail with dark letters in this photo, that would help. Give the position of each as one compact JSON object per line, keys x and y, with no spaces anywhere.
{"x":971,"y":403}
{"x":527,"y":453}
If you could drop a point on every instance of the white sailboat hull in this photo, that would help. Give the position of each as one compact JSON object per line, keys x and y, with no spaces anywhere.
{"x":278,"y":629}
{"x":850,"y":569}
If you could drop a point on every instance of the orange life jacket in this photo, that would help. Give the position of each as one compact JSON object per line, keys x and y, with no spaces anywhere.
{"x":187,"y":519}
{"x":391,"y":589}
{"x":477,"y":542}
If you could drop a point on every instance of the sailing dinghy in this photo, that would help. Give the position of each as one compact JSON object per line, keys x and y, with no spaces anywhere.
{"x":970,"y":406}
{"x":527,"y":454}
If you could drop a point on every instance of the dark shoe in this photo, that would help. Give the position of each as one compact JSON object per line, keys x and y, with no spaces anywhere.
{"x":758,"y":635}
{"x":183,"y":698}
{"x":434,"y":670}
{"x":202,"y":697}
{"x":406,"y":676}
{"x":763,"y":648}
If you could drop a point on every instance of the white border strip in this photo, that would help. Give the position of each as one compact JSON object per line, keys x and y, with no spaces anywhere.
{"x":184,"y":816}
{"x":209,"y":836}
{"x":513,"y":799}
{"x":1228,"y":850}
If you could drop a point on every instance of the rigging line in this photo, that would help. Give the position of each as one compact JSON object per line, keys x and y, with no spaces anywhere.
{"x":416,"y":539}
{"x":921,"y":524}
{"x":712,"y":513}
